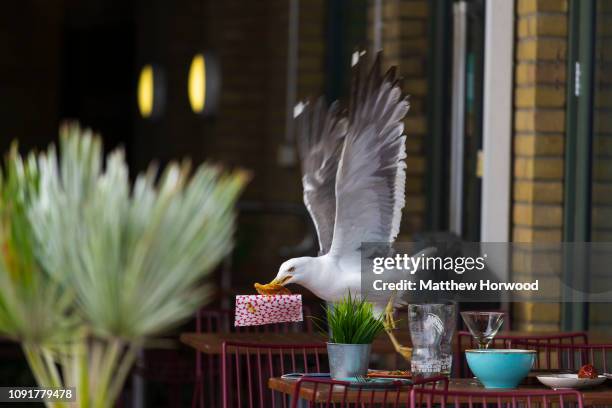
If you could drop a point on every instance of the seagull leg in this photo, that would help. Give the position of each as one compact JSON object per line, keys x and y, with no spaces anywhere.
{"x":389,"y":320}
{"x":404,"y":351}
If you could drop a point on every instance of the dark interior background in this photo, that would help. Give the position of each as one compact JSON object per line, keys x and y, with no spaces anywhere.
{"x":76,"y":59}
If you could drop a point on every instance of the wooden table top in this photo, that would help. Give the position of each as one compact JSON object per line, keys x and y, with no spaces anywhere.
{"x":211,"y":343}
{"x":601,"y":395}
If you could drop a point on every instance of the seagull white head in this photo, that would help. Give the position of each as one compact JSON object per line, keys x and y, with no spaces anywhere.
{"x":294,"y":270}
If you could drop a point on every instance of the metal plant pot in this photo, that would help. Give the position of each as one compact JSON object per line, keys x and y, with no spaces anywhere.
{"x":348,"y":360}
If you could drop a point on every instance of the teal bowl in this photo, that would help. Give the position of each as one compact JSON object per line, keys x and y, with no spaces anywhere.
{"x":500,"y":368}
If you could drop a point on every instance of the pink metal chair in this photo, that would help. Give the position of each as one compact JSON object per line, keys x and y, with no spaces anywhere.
{"x":329,"y":393}
{"x":207,"y":388}
{"x":570,"y":357}
{"x":429,"y":398}
{"x":466,"y":341}
{"x":246,"y":368}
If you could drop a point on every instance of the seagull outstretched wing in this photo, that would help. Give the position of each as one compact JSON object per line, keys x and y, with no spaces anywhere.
{"x":321,"y":132}
{"x":371,"y":174}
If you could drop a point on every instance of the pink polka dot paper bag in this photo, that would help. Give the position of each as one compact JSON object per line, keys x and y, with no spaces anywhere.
{"x":255,"y":310}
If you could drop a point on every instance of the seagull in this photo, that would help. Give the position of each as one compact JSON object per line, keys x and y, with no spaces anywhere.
{"x":353,"y":174}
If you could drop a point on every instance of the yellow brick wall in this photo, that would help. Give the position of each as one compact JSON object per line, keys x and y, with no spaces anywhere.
{"x":405,"y":45}
{"x":539,"y":135}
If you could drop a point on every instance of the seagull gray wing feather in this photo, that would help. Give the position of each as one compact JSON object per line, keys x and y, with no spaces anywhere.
{"x":371,"y":177}
{"x":321,"y":133}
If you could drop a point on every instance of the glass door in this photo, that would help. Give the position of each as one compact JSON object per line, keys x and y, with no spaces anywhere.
{"x":466,"y":113}
{"x":588,"y":181}
{"x":600,"y":215}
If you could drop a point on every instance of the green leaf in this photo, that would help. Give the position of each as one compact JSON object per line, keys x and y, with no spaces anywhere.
{"x":352,"y":321}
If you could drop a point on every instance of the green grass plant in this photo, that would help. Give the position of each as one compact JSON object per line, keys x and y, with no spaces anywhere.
{"x":352,"y":321}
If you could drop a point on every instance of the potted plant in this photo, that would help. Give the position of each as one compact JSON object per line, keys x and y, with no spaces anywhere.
{"x":352,"y":329}
{"x":93,"y":265}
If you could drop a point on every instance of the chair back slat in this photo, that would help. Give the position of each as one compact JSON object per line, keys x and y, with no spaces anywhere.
{"x":501,"y":399}
{"x":572,"y":356}
{"x":332,"y":393}
{"x":208,"y":388}
{"x":252,"y":364}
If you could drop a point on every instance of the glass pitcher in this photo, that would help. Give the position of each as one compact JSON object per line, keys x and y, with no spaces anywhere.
{"x":432,"y":326}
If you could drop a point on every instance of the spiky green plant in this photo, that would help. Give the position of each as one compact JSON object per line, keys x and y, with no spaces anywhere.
{"x":352,"y":321}
{"x":93,"y":265}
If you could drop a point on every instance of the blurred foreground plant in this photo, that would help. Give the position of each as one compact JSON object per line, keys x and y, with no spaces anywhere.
{"x":91,"y":265}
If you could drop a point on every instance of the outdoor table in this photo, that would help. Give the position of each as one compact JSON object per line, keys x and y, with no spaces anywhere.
{"x":212,"y":343}
{"x":601,"y":395}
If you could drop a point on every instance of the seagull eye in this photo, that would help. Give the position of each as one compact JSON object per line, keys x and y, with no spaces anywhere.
{"x":291,"y":269}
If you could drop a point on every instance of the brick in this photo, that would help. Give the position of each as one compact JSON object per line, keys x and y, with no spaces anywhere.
{"x":417,"y":87}
{"x":602,"y":146}
{"x":390,"y":10}
{"x":412,"y":67}
{"x":602,"y":170}
{"x":602,"y":193}
{"x":552,"y":120}
{"x":532,"y":6}
{"x":538,"y":168}
{"x":544,"y":96}
{"x":390,"y":30}
{"x":602,"y":124}
{"x":417,"y":106}
{"x":393,"y":48}
{"x":528,"y":262}
{"x":541,"y":72}
{"x":415,"y":28}
{"x":414,"y":46}
{"x":415,"y":124}
{"x":416,"y":8}
{"x":600,"y":313}
{"x":601,"y":235}
{"x":414,"y":144}
{"x":601,"y":216}
{"x":528,"y":234}
{"x":551,"y":49}
{"x":604,"y":29}
{"x":537,"y":215}
{"x":312,"y":47}
{"x":416,"y":202}
{"x":395,"y":29}
{"x":550,"y":192}
{"x":389,"y":61}
{"x":415,"y":165}
{"x":311,"y":30}
{"x":412,"y":222}
{"x":539,"y":144}
{"x":551,"y":24}
{"x":603,"y":98}
{"x":414,"y":184}
{"x":536,"y":327}
{"x":537,"y":312}
{"x":554,"y":25}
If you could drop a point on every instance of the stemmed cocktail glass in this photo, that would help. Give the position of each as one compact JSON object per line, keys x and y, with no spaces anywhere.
{"x":483,"y":326}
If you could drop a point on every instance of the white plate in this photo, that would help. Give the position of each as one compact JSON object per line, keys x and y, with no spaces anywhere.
{"x":557,"y":381}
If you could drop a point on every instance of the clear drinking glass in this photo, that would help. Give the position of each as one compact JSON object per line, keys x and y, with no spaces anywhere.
{"x":432,"y":326}
{"x":483,"y":326}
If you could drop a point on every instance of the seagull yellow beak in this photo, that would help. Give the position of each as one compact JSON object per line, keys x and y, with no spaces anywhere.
{"x":280,"y":281}
{"x":275,"y":287}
